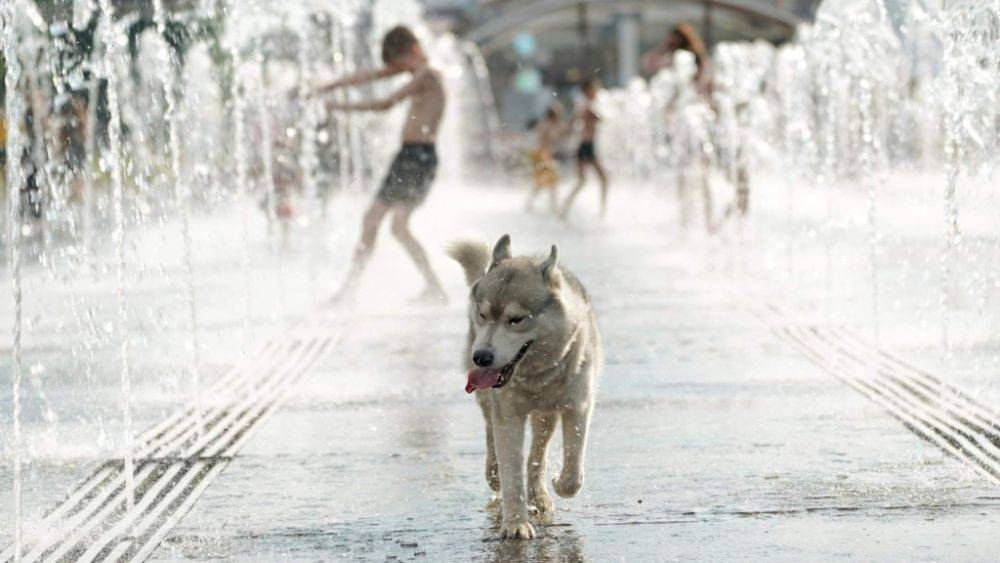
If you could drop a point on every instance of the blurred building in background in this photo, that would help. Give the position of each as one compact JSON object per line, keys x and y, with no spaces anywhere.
{"x":539,"y":48}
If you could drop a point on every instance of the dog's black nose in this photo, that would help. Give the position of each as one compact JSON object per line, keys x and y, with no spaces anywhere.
{"x":482,"y":358}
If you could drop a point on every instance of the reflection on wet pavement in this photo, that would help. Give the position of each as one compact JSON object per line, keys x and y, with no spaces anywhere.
{"x":712,"y":439}
{"x":714,"y":436}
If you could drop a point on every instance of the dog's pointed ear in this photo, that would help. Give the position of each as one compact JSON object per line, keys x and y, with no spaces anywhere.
{"x":501,"y":251}
{"x":550,"y":271}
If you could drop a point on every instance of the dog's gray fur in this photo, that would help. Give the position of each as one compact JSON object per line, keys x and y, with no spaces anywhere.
{"x":555,"y":379}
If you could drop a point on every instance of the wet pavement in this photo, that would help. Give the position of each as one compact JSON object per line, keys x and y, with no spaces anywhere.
{"x":712,"y":438}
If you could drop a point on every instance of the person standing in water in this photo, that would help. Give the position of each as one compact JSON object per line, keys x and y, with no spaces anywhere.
{"x":682,"y":37}
{"x":413,"y":170}
{"x":545,"y":170}
{"x":693,"y":161}
{"x":586,"y":155}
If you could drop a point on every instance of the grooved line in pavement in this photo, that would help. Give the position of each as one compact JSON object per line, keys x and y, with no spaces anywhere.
{"x":943,"y":415}
{"x":176,"y":459}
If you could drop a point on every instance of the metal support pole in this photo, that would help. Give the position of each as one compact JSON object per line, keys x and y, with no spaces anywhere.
{"x":586,"y":62}
{"x":706,"y":24}
{"x":627,"y":39}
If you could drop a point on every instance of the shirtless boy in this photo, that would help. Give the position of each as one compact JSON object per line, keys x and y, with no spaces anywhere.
{"x":412,"y":171}
{"x":586,"y":155}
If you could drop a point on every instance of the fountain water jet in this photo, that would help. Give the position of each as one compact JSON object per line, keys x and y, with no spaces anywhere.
{"x":869,"y":155}
{"x":308,"y":160}
{"x":242,"y":186}
{"x":15,"y":145}
{"x":183,"y":202}
{"x":277,"y":232}
{"x":84,"y":243}
{"x":111,"y":42}
{"x":352,"y":120}
{"x":267,"y":146}
{"x":308,"y":121}
{"x":343,"y":140}
{"x":970,"y":96}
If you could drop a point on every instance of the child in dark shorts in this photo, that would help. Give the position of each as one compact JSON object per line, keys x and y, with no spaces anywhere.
{"x":410,"y":175}
{"x":586,"y":156}
{"x":586,"y":152}
{"x":412,"y":171}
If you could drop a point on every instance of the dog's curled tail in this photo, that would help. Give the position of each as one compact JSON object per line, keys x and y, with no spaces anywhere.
{"x":474,"y":257}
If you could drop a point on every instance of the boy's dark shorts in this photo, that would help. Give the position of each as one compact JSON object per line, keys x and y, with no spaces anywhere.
{"x":586,"y":152}
{"x":410,"y":176}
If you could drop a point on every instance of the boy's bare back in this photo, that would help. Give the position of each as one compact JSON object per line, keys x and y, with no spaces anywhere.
{"x":427,"y":101}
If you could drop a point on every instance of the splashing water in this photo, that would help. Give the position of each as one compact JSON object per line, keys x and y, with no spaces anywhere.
{"x":267,"y":146}
{"x":141,"y":121}
{"x":308,"y":160}
{"x":112,"y":42}
{"x":183,"y":201}
{"x":835,"y":119}
{"x":343,"y":134}
{"x":242,"y":187}
{"x":869,"y":94}
{"x":15,"y":179}
{"x":970,"y":32}
{"x":352,"y":122}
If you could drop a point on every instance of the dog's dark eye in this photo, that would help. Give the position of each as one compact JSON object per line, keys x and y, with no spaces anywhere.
{"x":482,"y":316}
{"x":516,"y":320}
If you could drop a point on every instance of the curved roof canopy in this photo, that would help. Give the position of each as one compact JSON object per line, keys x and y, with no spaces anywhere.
{"x":524,"y":13}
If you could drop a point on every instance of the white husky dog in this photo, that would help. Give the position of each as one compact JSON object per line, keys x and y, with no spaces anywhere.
{"x":534,"y":351}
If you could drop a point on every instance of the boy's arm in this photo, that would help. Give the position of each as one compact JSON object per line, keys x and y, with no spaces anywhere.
{"x":656,"y":59}
{"x":589,"y":113}
{"x":361,"y":77}
{"x":584,"y":114}
{"x":385,"y":103}
{"x":652,"y":61}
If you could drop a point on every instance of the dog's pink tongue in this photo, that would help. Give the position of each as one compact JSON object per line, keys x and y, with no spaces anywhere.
{"x":482,"y":378}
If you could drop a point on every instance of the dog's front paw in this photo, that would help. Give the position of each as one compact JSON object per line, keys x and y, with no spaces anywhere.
{"x":518,"y":530}
{"x":567,"y":484}
{"x":541,"y":500}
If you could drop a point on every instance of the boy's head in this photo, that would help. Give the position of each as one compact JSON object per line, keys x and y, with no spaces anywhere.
{"x":400,"y":48}
{"x":590,"y":86}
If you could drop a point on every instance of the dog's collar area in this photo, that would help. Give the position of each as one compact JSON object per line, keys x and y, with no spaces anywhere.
{"x":508,"y":370}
